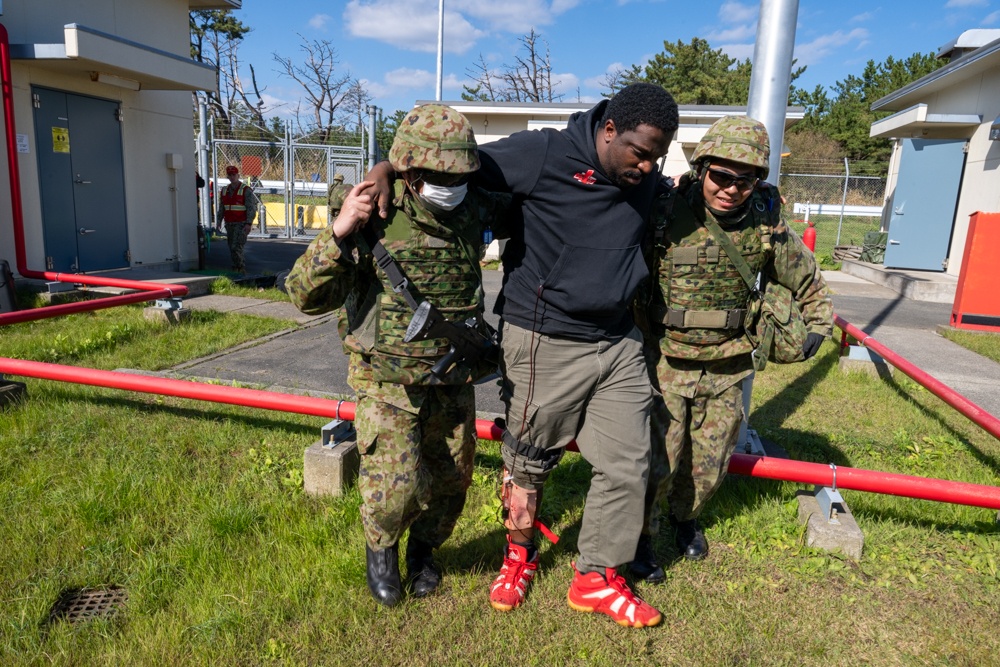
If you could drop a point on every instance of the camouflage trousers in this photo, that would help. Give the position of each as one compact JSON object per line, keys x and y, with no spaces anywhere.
{"x":236,"y":238}
{"x":417,"y":445}
{"x":694,"y":436}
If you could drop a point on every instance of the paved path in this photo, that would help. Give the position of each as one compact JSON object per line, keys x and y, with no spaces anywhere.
{"x":310,"y":357}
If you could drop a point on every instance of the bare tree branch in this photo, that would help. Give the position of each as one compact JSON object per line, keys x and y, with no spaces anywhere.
{"x":325,"y":90}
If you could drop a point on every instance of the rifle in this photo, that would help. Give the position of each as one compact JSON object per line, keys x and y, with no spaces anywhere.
{"x":468,"y":342}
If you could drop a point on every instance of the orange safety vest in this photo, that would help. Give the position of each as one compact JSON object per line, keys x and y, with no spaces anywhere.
{"x":234,"y":208}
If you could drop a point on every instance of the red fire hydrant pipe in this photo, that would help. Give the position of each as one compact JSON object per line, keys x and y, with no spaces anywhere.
{"x":148,"y":291}
{"x":771,"y":468}
{"x":977,"y":414}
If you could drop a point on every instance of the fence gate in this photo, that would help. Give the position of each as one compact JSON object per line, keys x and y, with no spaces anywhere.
{"x":290,"y":181}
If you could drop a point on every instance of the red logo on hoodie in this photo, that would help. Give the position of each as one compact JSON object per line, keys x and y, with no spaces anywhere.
{"x":586,"y":177}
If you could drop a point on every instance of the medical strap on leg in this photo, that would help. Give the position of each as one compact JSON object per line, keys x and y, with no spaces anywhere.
{"x":520,"y":505}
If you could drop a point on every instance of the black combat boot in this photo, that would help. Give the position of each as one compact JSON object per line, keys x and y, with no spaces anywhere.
{"x":644,"y":565}
{"x":691,"y":540}
{"x":383,"y":575}
{"x":420,"y":569}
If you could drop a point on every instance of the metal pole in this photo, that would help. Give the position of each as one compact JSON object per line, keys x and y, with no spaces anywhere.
{"x":205,"y":213}
{"x":772,"y":73}
{"x":440,"y":59}
{"x":289,"y":179}
{"x":843,"y":199}
{"x":768,"y":103}
{"x":372,"y":111}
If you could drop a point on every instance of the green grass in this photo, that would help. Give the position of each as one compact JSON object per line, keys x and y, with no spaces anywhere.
{"x":225,"y":285}
{"x":984,"y":343}
{"x":197,"y":510}
{"x":852,"y":232}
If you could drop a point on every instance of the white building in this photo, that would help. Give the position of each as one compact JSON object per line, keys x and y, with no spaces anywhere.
{"x":495,"y":120}
{"x":103,"y":113}
{"x":945,"y":162}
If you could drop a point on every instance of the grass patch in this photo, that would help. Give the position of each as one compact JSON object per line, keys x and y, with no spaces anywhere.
{"x":984,"y":343}
{"x":225,"y":285}
{"x":197,"y":509}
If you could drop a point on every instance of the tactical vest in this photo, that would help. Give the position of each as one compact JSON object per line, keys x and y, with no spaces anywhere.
{"x":234,"y":208}
{"x":704,"y":298}
{"x":440,"y":260}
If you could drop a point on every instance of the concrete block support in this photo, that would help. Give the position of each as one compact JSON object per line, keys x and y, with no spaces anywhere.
{"x":842,"y":535}
{"x":330,"y":470}
{"x":862,"y":360}
{"x":166,"y":315}
{"x":11,"y":392}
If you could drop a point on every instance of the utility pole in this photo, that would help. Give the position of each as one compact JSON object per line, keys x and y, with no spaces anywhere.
{"x":440,"y":63}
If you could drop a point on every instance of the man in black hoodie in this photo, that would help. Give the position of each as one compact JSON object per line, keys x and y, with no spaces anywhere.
{"x":572,"y":357}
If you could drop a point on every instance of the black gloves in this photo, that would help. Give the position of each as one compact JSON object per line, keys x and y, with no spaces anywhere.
{"x":811,"y":346}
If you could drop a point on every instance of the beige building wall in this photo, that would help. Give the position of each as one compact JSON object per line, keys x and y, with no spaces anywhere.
{"x":160,"y":202}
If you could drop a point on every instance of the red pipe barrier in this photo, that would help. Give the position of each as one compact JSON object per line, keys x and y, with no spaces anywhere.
{"x":925,"y":488}
{"x":148,"y":292}
{"x":975,"y":413}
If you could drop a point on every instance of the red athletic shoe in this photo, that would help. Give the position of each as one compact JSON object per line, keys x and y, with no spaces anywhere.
{"x":511,"y":585}
{"x":609,"y":594}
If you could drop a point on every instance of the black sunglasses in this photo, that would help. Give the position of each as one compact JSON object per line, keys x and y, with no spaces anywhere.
{"x":443,"y":180}
{"x":726,"y":180}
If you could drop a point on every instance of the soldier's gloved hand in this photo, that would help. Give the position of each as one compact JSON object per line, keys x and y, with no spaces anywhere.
{"x":811,"y":346}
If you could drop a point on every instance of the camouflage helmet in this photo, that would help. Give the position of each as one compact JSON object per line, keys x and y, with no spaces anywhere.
{"x":737,"y":138}
{"x":339,"y":178}
{"x":437,"y":138}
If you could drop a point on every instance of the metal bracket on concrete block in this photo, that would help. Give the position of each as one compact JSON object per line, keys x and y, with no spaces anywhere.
{"x":56,"y":287}
{"x":752,"y":444}
{"x":831,"y":503}
{"x":171,"y":303}
{"x":337,"y":431}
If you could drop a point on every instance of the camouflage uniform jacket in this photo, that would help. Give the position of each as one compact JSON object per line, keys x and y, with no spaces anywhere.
{"x":438,"y":253}
{"x":766,"y":243}
{"x":336,"y":194}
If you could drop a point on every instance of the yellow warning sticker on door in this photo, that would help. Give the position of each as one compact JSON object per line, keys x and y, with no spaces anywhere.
{"x":60,"y":140}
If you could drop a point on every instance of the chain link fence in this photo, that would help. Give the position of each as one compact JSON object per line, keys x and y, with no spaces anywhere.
{"x":290,"y":180}
{"x":842,"y":200}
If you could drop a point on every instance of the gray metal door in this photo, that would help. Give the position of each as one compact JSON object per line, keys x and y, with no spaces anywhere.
{"x":82,"y":181}
{"x":923,"y":205}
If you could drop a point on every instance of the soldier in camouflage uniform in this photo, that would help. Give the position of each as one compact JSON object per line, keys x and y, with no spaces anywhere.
{"x":416,"y":435}
{"x":237,"y":208}
{"x":696,"y":345}
{"x":335,"y":196}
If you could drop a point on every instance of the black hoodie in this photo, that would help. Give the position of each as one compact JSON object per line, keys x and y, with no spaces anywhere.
{"x":572,"y":267}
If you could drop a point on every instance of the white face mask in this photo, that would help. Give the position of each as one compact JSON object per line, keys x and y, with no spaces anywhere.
{"x":443,"y":197}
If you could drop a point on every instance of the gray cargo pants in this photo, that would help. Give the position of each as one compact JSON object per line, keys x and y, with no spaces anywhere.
{"x":599,"y":394}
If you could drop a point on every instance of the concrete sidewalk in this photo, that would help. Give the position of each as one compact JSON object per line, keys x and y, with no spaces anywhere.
{"x":309,"y":357}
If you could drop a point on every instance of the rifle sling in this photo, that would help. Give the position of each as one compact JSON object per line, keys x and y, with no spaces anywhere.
{"x":734,"y":254}
{"x":389,"y":266}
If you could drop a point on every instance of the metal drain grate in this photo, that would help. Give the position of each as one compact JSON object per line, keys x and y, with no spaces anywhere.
{"x":82,"y":604}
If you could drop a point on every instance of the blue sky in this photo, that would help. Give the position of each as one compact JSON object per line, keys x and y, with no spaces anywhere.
{"x":391,"y":44}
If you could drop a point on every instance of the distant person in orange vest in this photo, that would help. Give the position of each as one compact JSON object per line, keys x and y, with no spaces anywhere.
{"x":237,"y":207}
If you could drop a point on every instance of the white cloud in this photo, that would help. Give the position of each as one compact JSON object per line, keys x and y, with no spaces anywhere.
{"x":601,"y":80}
{"x":319,"y":21}
{"x":565,"y":85}
{"x":862,"y":18}
{"x":991,"y":19}
{"x":732,"y":34}
{"x":738,"y":51}
{"x":412,"y":26}
{"x":735,"y":12}
{"x":812,"y":52}
{"x":965,"y":3}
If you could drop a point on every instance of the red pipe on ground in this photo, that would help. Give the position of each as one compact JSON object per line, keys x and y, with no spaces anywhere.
{"x":909,"y":486}
{"x":148,"y":292}
{"x":924,"y":488}
{"x":977,"y":414}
